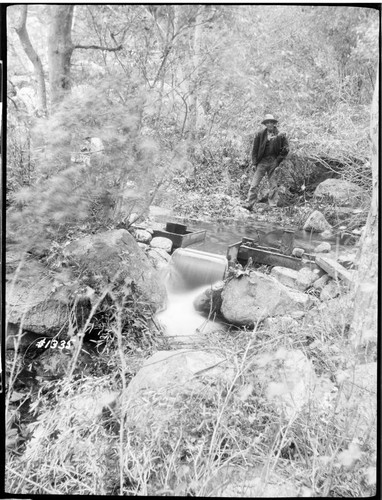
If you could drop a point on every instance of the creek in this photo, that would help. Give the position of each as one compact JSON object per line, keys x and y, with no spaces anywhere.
{"x":190,"y":273}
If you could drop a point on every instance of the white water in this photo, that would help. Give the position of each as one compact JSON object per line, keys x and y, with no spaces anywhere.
{"x":180,"y":318}
{"x":190,"y":274}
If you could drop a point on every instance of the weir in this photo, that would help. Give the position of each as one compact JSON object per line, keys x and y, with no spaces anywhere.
{"x":190,"y":273}
{"x":190,"y":268}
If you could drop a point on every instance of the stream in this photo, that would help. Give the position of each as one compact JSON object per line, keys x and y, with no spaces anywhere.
{"x":190,"y":274}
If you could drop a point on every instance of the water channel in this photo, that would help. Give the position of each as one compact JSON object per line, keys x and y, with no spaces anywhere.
{"x":190,"y":274}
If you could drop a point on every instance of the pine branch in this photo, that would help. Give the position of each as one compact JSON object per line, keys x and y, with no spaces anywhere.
{"x":98,"y":47}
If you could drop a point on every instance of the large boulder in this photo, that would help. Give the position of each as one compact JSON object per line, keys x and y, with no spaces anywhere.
{"x":340,"y":192}
{"x":36,"y":303}
{"x":317,"y":223}
{"x":114,"y":257}
{"x":288,"y":380}
{"x":166,"y":376}
{"x":250,"y":299}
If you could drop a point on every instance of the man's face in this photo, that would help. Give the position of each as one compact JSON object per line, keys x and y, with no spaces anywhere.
{"x":270,"y":126}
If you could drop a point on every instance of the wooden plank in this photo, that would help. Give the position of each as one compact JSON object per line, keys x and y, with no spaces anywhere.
{"x":334,"y":269}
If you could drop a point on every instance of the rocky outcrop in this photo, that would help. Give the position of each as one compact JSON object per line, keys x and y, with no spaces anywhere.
{"x":317,"y":223}
{"x":250,"y":299}
{"x":113,"y":258}
{"x":340,"y":192}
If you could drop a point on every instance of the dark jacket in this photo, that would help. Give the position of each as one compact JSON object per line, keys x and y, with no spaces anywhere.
{"x":279,"y":146}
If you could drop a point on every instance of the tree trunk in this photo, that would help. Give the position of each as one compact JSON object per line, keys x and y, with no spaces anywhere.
{"x":60,"y":49}
{"x":22,"y":33}
{"x":364,"y":325}
{"x":194,"y":85}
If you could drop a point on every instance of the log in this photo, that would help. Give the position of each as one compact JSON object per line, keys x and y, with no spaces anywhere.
{"x":334,"y":269}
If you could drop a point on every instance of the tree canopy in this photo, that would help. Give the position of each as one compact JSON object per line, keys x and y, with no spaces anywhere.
{"x":169,"y":88}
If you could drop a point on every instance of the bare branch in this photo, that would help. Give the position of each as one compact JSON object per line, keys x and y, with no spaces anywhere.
{"x":98,"y":47}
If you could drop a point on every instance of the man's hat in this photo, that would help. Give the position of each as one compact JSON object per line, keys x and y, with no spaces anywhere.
{"x":269,"y":118}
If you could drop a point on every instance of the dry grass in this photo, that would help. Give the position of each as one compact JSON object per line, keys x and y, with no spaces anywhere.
{"x":82,"y":443}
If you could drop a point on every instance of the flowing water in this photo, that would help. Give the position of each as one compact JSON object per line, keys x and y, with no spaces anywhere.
{"x":190,"y":273}
{"x":195,"y":268}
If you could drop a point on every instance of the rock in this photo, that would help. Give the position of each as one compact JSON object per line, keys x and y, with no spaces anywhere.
{"x":284,"y":275}
{"x":115,"y":257}
{"x":87,"y":408}
{"x":297,"y":314}
{"x":158,"y":257}
{"x":330,"y":290}
{"x":321,"y":282}
{"x":358,"y":401}
{"x":324,"y":247}
{"x":163,"y":243}
{"x":347,"y":260}
{"x":286,"y":378}
{"x":142,"y":236}
{"x":133,"y":217}
{"x":17,"y":337}
{"x":249,"y":482}
{"x":250,"y":299}
{"x":316,"y":223}
{"x":167,"y":375}
{"x":34,"y":301}
{"x":300,"y":280}
{"x":210,"y":300}
{"x":305,"y":279}
{"x":340,"y":192}
{"x":328,"y":233}
{"x":144,"y":246}
{"x":298,"y":252}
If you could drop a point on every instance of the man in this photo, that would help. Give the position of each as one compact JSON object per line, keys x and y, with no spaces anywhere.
{"x":270,"y":147}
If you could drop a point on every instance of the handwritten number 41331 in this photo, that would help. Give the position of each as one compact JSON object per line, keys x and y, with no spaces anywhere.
{"x":53,"y":344}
